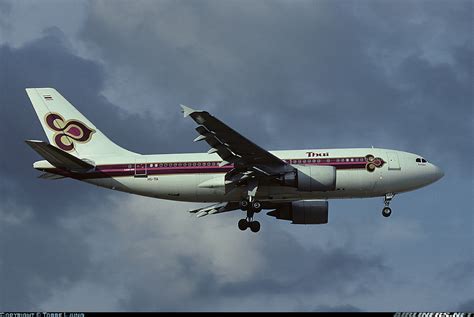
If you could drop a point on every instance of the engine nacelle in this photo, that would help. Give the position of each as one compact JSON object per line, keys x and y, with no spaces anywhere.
{"x":303,"y":212}
{"x":312,"y":178}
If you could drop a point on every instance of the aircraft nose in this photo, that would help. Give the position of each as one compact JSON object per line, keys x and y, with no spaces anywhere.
{"x":437,"y":173}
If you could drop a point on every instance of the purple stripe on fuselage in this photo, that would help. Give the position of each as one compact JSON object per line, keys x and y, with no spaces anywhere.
{"x":121,"y":170}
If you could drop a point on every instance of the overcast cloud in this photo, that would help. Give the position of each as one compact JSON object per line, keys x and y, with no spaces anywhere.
{"x":307,"y":74}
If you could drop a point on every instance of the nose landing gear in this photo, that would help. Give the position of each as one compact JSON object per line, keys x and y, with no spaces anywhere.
{"x":386,"y":211}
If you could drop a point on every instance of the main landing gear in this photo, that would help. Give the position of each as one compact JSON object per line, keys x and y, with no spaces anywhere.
{"x":386,"y":211}
{"x":252,"y":206}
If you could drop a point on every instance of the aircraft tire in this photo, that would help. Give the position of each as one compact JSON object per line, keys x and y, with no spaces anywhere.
{"x":244,"y":204}
{"x":386,"y":212}
{"x":256,"y":206}
{"x":243,"y":224}
{"x":255,"y":226}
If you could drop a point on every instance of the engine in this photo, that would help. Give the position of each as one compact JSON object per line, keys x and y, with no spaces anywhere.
{"x":312,"y":178}
{"x":303,"y":212}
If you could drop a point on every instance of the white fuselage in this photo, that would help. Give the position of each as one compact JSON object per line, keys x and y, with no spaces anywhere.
{"x":196,"y":177}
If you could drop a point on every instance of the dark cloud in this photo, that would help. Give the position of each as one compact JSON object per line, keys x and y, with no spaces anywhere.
{"x":307,"y":74}
{"x":288,"y":75}
{"x":36,"y":260}
{"x":193,"y":272}
{"x":35,"y":65}
{"x":48,"y":62}
{"x":59,"y":255}
{"x":41,"y":252}
{"x":311,"y":67}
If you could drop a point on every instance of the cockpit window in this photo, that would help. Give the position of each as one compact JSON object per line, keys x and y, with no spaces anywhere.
{"x":423,"y":160}
{"x":418,"y":160}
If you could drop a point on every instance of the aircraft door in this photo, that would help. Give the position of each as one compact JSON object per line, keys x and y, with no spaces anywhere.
{"x":140,"y":169}
{"x":393,"y":162}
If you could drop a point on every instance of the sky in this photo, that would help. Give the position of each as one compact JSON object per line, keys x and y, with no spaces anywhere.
{"x":288,"y":75}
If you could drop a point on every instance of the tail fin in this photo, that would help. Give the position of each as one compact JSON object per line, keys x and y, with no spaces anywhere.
{"x":66,"y":128}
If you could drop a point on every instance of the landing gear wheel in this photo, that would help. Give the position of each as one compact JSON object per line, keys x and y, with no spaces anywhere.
{"x":244,"y":204}
{"x":256,"y":206}
{"x":243,"y":224}
{"x":386,"y":212}
{"x":255,"y":226}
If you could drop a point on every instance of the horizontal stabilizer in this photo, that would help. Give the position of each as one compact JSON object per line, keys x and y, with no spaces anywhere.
{"x":59,"y":158}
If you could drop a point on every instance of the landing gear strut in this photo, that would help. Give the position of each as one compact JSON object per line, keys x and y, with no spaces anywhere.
{"x":251,"y":206}
{"x":386,"y":211}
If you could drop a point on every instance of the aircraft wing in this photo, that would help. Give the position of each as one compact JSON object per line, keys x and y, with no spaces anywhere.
{"x":232,"y":147}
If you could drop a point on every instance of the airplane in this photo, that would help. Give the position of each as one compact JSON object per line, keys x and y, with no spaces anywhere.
{"x":235,"y":174}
